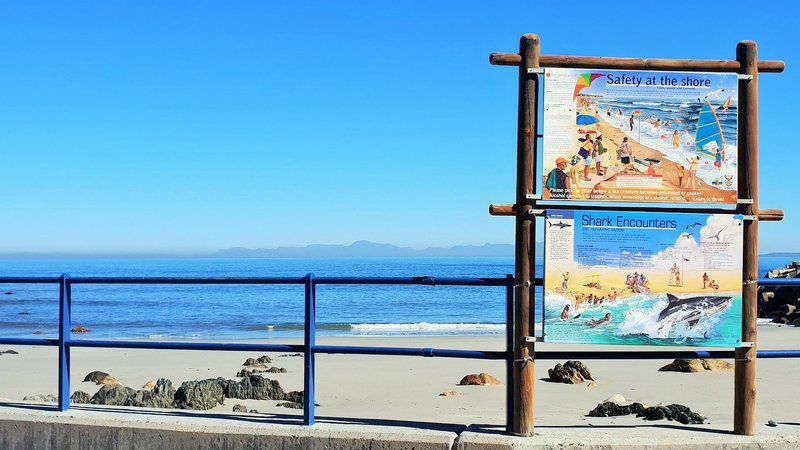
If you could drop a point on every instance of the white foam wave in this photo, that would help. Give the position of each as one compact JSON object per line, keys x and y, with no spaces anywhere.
{"x":421,"y":327}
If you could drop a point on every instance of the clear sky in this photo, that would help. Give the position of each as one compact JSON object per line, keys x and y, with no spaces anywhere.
{"x":188,"y":126}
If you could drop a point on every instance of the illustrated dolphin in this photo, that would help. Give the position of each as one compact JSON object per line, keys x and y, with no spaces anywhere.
{"x":691,"y":309}
{"x":559,"y":224}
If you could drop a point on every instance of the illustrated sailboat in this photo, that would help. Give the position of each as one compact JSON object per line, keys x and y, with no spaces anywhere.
{"x":709,"y":136}
{"x":725,"y":105}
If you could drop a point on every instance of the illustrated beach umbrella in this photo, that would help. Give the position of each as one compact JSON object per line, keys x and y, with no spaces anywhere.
{"x":584,"y":81}
{"x":585,"y":119}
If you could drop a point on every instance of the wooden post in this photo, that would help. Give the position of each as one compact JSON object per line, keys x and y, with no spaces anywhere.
{"x":524,"y":243}
{"x":744,"y":402}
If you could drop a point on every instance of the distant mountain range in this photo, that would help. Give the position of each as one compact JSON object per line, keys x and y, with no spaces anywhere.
{"x":367,"y":249}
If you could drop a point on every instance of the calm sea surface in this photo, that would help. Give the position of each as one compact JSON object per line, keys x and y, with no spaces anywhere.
{"x":243,"y":312}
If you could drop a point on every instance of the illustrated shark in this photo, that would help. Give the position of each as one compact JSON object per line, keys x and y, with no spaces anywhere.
{"x":559,"y":224}
{"x":692,"y":309}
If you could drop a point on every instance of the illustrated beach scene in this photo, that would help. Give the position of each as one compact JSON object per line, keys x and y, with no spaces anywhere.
{"x":643,"y":136}
{"x":642,"y":278}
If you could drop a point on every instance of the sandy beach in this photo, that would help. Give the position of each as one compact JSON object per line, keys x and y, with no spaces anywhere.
{"x":674,"y":182}
{"x":402,"y":389}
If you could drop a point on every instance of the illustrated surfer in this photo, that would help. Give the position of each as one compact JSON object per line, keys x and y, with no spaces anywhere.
{"x":597,"y":322}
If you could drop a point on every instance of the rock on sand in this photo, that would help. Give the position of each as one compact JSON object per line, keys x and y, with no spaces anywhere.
{"x":479,"y":379}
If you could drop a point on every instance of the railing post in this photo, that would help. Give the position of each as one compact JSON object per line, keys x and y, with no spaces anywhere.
{"x":310,"y":329}
{"x":64,"y":334}
{"x":509,"y":352}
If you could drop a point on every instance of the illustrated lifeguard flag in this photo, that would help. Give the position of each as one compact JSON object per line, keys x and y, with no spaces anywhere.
{"x":584,"y":81}
{"x":637,"y":113}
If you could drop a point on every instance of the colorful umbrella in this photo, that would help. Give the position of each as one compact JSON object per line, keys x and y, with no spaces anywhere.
{"x":584,"y":119}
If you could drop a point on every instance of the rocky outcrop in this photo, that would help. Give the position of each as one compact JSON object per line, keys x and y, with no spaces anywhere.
{"x":254,"y":387}
{"x":80,"y":397}
{"x":781,"y":303}
{"x":149,"y":385}
{"x":479,"y":379}
{"x":162,"y":395}
{"x":675,"y":412}
{"x":247,"y":371}
{"x":239,"y":408}
{"x":9,"y":352}
{"x":292,"y":405}
{"x":112,"y":394}
{"x":81,"y":330}
{"x":290,"y":355}
{"x":697,"y":365}
{"x":204,"y":394}
{"x":256,"y":361}
{"x":571,"y":372}
{"x":40,"y":398}
{"x":610,"y":409}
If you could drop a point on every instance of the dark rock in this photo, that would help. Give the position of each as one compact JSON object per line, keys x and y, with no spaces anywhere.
{"x":113,"y":394}
{"x":204,"y":394}
{"x":10,"y":352}
{"x":609,"y":409}
{"x":675,"y":412}
{"x":80,"y":397}
{"x":40,"y":398}
{"x":771,"y":423}
{"x":295,"y":397}
{"x":261,"y":360}
{"x":24,"y":313}
{"x":292,"y":405}
{"x":8,"y":292}
{"x":161,"y":396}
{"x":247,"y":371}
{"x":239,"y":408}
{"x":253,"y":411}
{"x":290,"y":355}
{"x":95,"y":377}
{"x":571,"y":372}
{"x":254,"y":387}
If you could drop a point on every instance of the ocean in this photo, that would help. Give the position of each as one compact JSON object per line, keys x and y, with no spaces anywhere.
{"x":256,"y":312}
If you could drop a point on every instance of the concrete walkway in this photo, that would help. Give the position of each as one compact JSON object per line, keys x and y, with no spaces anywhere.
{"x":39,"y":426}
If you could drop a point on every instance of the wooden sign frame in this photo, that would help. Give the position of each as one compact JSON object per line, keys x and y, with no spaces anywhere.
{"x":529,"y":61}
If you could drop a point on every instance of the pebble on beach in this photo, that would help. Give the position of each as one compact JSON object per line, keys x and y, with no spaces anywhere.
{"x":450,"y":393}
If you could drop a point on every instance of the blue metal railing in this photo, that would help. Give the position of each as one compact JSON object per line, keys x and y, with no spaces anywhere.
{"x":309,"y":347}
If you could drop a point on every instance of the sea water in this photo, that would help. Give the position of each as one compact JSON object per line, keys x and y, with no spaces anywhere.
{"x":247,"y":312}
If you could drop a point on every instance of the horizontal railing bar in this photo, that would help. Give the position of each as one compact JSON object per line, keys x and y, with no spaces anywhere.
{"x":779,"y":281}
{"x":399,"y":351}
{"x":406,"y":351}
{"x":28,"y":341}
{"x":186,"y":280}
{"x":29,"y":280}
{"x":182,"y":345}
{"x":427,"y":280}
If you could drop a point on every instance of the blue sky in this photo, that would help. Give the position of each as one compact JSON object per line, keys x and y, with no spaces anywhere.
{"x":190,"y":126}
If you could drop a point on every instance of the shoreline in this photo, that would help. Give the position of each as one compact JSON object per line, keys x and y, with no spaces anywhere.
{"x":408,"y":388}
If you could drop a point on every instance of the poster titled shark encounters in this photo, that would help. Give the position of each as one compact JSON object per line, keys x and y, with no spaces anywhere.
{"x":643,"y":136}
{"x":643,"y":278}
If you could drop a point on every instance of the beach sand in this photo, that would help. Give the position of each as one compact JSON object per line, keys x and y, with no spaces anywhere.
{"x":669,"y":170}
{"x":405,"y":390}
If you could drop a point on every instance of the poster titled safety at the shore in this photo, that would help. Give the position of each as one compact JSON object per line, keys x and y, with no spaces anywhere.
{"x":640,"y":136}
{"x":639,"y":278}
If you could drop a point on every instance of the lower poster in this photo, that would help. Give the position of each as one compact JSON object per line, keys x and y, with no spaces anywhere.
{"x":642,"y":278}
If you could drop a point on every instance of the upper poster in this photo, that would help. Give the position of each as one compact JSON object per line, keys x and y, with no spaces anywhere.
{"x":614,"y":277}
{"x":640,"y":136}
